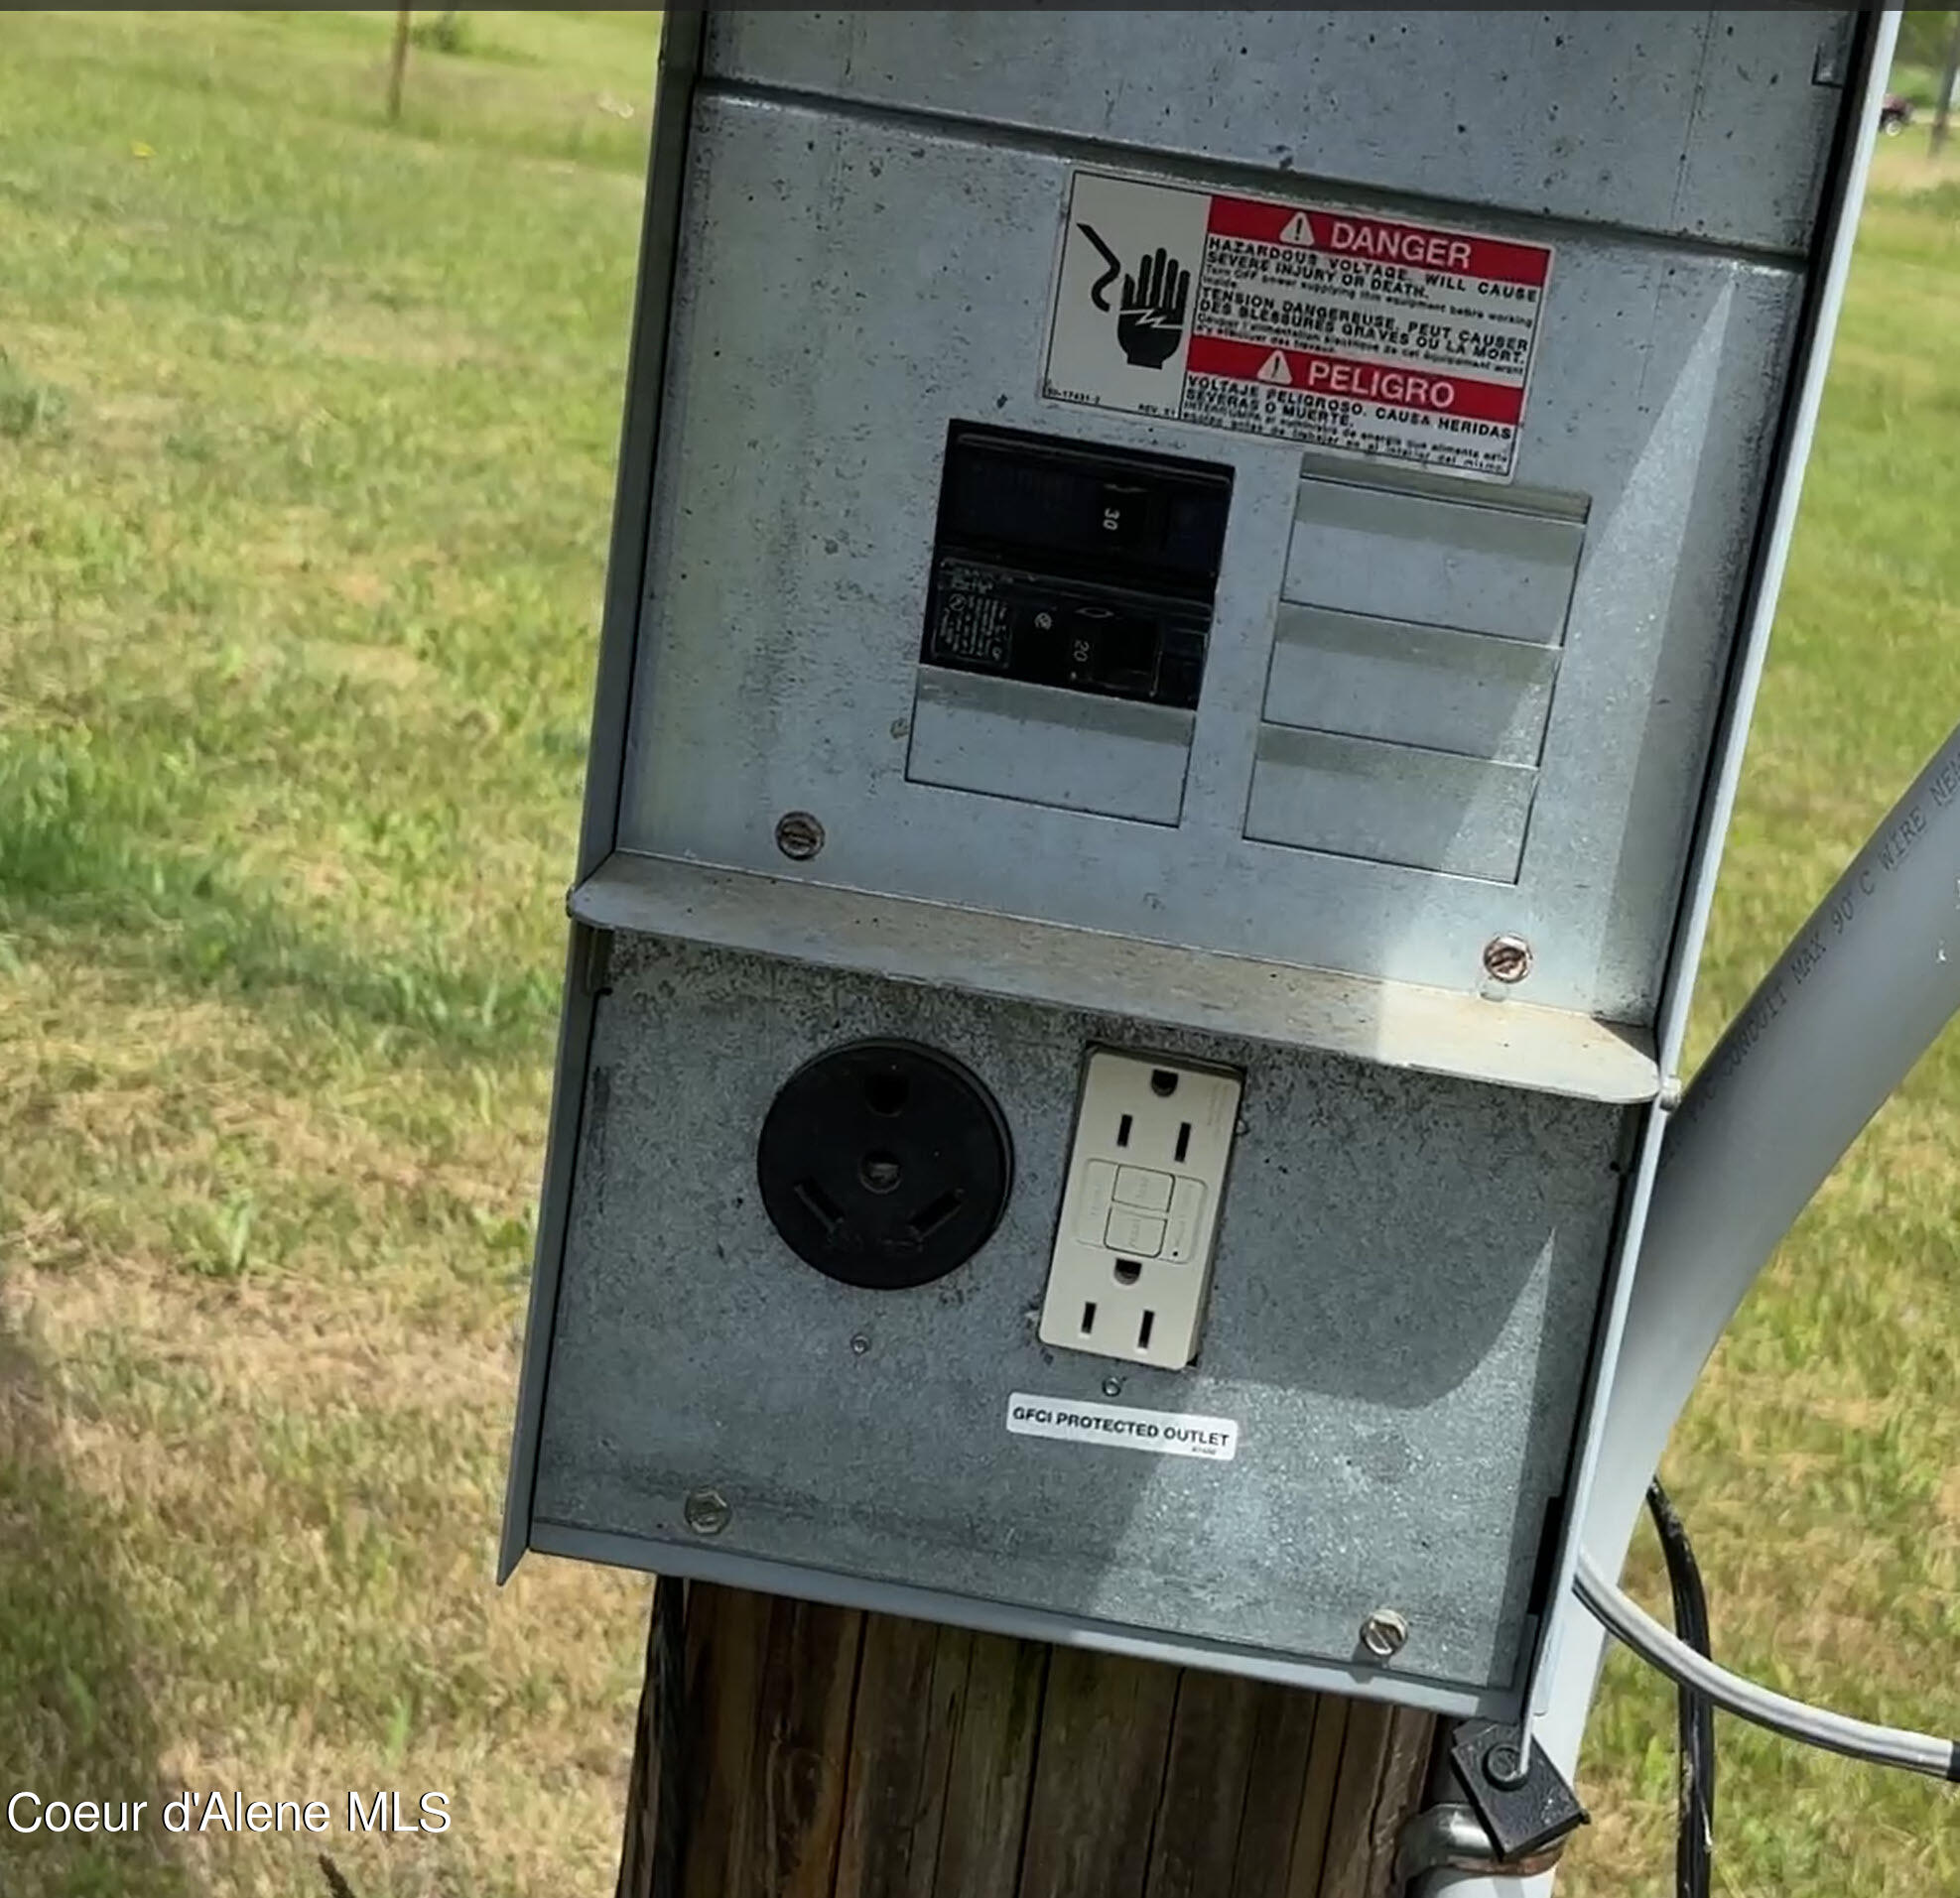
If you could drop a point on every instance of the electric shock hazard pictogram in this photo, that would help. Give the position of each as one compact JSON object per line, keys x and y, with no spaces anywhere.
{"x":1150,"y":318}
{"x":1366,"y":336}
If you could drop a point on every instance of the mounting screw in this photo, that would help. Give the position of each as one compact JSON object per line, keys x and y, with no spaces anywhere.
{"x":859,"y":1343}
{"x":1384,"y":1634}
{"x":799,"y":836}
{"x":1113,"y":1387}
{"x":706,"y":1511}
{"x":1508,"y":959}
{"x":1503,"y":1765}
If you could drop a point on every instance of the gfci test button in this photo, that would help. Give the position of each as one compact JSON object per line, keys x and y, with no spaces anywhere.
{"x":1139,"y":1187}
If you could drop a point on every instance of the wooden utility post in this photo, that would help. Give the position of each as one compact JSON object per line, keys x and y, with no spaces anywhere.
{"x":790,"y":1751}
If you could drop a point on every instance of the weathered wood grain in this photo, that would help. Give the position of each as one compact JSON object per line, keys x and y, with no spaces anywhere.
{"x":787,"y":1750}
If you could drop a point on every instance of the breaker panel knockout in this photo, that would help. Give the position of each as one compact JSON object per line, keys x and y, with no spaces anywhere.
{"x":1175,"y":597}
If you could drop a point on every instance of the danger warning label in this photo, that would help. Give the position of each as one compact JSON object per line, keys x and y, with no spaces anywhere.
{"x":1365,"y":336}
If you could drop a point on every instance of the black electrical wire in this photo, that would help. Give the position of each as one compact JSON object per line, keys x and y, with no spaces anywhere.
{"x":1694,"y":1844}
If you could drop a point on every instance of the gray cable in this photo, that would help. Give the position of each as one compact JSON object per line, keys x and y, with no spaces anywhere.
{"x":1835,"y":1732}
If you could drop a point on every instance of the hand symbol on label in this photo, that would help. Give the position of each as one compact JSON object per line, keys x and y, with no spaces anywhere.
{"x":1150,"y":321}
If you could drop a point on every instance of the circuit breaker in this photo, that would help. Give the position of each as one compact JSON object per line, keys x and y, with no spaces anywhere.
{"x":1178,"y":594}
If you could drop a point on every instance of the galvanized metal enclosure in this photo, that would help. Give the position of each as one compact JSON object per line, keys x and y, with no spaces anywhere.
{"x":1311,"y":660}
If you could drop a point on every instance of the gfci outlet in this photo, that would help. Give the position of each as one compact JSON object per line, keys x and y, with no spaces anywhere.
{"x":1146,"y":1177}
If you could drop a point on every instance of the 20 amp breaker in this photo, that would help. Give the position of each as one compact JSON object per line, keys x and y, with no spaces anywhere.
{"x":1184,"y":597}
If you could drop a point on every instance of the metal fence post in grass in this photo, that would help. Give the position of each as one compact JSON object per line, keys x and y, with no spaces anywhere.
{"x":398,"y":66}
{"x":1943,"y":111}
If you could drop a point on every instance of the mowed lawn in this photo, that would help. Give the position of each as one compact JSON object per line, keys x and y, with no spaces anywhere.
{"x":1818,"y":1468}
{"x":306,"y":442}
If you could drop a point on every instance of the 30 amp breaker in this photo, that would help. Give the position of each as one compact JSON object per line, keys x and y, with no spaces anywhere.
{"x":1182,"y":608}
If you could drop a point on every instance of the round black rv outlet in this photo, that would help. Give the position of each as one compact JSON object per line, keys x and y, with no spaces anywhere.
{"x":884,"y":1164}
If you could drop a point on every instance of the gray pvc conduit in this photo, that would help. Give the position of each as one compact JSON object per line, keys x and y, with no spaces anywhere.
{"x":1856,"y":999}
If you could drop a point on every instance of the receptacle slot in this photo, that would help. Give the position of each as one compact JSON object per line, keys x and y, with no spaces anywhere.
{"x":929,"y":1219}
{"x":1145,"y":1330}
{"x":1089,"y":1318}
{"x":886,"y":1093}
{"x":822,"y":1208}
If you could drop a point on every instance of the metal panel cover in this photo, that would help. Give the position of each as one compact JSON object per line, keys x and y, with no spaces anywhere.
{"x":777,"y":665}
{"x":1702,"y":124}
{"x":1412,"y":1264}
{"x":1385,"y":1457}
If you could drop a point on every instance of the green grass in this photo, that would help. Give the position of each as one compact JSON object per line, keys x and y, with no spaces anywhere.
{"x":1818,"y":1466}
{"x":306,"y":438}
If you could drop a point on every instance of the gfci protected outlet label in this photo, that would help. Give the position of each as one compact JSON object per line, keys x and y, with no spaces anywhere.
{"x":1168,"y":1432}
{"x":1365,"y":336}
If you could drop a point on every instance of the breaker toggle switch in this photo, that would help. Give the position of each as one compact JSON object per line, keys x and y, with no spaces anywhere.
{"x":1115,"y":652}
{"x":1129,"y":516}
{"x":1063,"y":563}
